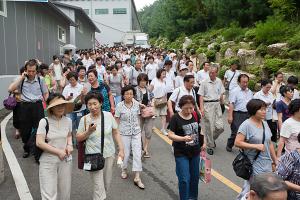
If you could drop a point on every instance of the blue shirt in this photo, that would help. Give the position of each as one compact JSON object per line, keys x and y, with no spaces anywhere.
{"x":33,"y":91}
{"x":240,"y":98}
{"x":281,"y":107}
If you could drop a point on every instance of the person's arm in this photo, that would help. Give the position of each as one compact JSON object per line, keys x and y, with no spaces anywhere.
{"x":81,"y":136}
{"x":112,"y":102}
{"x":40,"y":142}
{"x":230,"y":113}
{"x":69,"y":148}
{"x":170,"y":108}
{"x":14,"y":85}
{"x":272,"y":152}
{"x":280,"y":146}
{"x":118,"y":140}
{"x":274,"y":87}
{"x":177,"y":138}
{"x":279,"y":120}
{"x":201,"y":105}
{"x":151,"y":87}
{"x":293,"y":186}
{"x":240,"y":143}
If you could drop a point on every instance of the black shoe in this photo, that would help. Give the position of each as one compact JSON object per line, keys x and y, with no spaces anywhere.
{"x":229,"y":149}
{"x":210,"y":151}
{"x":215,"y":145}
{"x":26,"y":154}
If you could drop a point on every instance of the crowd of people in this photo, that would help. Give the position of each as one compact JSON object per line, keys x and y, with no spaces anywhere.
{"x":97,"y":100}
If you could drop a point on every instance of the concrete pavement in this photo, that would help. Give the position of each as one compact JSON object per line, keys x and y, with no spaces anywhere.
{"x":159,"y":175}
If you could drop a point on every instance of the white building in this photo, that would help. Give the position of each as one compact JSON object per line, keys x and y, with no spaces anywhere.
{"x":113,"y":17}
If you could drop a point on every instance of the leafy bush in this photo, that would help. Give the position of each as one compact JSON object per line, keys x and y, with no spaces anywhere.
{"x":272,"y":31}
{"x":250,"y":34}
{"x":294,"y":54}
{"x":201,"y":50}
{"x":252,"y":84}
{"x":262,"y":50}
{"x":293,"y":65}
{"x":211,"y":55}
{"x":222,"y":72}
{"x":233,"y":32}
{"x":274,"y":64}
{"x":229,"y":61}
{"x":256,"y":70}
{"x":294,"y":42}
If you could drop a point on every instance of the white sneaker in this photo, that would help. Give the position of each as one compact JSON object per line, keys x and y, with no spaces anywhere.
{"x":164,"y":131}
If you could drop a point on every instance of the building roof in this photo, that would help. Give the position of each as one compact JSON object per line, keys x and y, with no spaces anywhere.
{"x":51,"y":5}
{"x":137,"y":17}
{"x":81,"y":11}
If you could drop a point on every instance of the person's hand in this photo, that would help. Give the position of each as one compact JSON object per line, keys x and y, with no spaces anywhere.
{"x":171,"y":114}
{"x":229,"y":119}
{"x":69,"y":98}
{"x":187,"y":138}
{"x":203,"y":146}
{"x":24,"y":74}
{"x":260,"y":147}
{"x":91,"y":128}
{"x":69,"y":149}
{"x":84,"y":91}
{"x":62,"y":154}
{"x":121,"y":154}
{"x":112,"y":110}
{"x":202,"y":112}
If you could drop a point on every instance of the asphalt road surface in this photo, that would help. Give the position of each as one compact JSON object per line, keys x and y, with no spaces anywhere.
{"x":158,"y":176}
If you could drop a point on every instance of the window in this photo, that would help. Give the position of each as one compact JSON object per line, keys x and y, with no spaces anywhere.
{"x":3,"y":10}
{"x":87,"y":11}
{"x":103,"y":11}
{"x":79,"y":26}
{"x":61,"y":34}
{"x":118,"y":11}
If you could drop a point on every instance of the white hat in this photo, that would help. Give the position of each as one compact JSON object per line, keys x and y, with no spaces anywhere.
{"x":182,"y":67}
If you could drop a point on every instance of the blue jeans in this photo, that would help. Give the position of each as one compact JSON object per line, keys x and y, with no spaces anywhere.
{"x":75,"y":117}
{"x":187,"y":170}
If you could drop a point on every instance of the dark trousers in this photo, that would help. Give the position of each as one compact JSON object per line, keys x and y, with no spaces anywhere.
{"x":29,"y":117}
{"x":16,"y":116}
{"x":273,"y":127}
{"x":238,"y":119}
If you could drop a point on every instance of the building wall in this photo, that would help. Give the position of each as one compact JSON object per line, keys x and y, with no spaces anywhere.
{"x":84,"y":36}
{"x":30,"y":30}
{"x":71,"y":14}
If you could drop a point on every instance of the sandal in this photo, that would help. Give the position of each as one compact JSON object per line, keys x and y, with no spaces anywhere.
{"x":138,"y":182}
{"x":124,"y":174}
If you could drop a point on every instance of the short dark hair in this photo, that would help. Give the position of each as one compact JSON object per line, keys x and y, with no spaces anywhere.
{"x":92,"y":71}
{"x":188,"y":62}
{"x":284,"y":89}
{"x":263,"y":184}
{"x":43,"y":66}
{"x":159,"y":72}
{"x":72,"y":74}
{"x":81,"y":68}
{"x":53,"y":96}
{"x":265,"y":82}
{"x":142,"y":77}
{"x":55,"y":57}
{"x":92,"y":67}
{"x":188,"y":77}
{"x":278,"y":73}
{"x":242,"y":76}
{"x":293,"y":80}
{"x":168,"y":62}
{"x":66,"y":68}
{"x":294,"y":106}
{"x":98,"y":59}
{"x":150,"y":57}
{"x":93,"y":95}
{"x":185,"y":99}
{"x":205,"y":63}
{"x":254,"y":105}
{"x":31,"y":62}
{"x":128,"y":59}
{"x":127,"y":88}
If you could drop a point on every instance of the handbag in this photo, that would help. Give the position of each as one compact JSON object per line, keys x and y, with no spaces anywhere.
{"x":95,"y":161}
{"x":160,"y":102}
{"x":205,"y":168}
{"x":10,"y":102}
{"x":242,"y":165}
{"x":147,"y":112}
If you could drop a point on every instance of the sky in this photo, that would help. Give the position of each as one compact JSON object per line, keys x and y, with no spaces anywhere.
{"x":141,"y":3}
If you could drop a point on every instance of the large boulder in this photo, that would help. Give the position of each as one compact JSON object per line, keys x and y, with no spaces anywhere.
{"x":275,"y":49}
{"x":211,"y":46}
{"x":229,"y":53}
{"x":246,"y":57}
{"x":187,"y":42}
{"x":202,"y":58}
{"x":218,"y":57}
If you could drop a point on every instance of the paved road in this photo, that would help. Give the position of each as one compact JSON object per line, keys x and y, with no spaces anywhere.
{"x":158,"y":176}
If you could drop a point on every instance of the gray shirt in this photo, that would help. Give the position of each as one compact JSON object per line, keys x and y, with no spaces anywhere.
{"x":240,"y":98}
{"x":115,"y":84}
{"x":254,"y":135}
{"x":33,"y":91}
{"x":211,"y":90}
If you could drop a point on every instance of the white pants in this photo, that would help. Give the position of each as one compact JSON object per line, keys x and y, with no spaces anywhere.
{"x":245,"y":190}
{"x":55,"y":180}
{"x":133,"y":143}
{"x":108,"y":170}
{"x":98,"y":183}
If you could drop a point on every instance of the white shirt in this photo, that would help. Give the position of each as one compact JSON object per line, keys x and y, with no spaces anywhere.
{"x":178,"y":93}
{"x":202,"y":75}
{"x":170,"y":77}
{"x":128,"y":70}
{"x":178,"y":81}
{"x":151,"y":70}
{"x":101,"y":72}
{"x":240,"y":98}
{"x":75,"y":90}
{"x":228,"y":75}
{"x":290,"y":130}
{"x":159,"y":88}
{"x":174,"y":64}
{"x":87,"y":63}
{"x":296,"y":94}
{"x":268,"y":99}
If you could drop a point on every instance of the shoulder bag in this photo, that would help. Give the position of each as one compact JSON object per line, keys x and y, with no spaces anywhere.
{"x":242,"y":165}
{"x":227,"y":85}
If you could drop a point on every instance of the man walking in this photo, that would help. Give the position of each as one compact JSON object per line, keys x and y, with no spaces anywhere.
{"x":33,"y":90}
{"x":211,"y":96}
{"x":237,"y":112}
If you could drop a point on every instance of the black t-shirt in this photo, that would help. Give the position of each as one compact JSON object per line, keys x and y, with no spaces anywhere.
{"x":182,"y":127}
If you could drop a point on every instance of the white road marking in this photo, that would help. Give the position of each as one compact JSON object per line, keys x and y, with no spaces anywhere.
{"x":16,"y":171}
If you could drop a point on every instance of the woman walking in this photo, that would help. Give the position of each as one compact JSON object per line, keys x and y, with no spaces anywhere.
{"x":187,"y":142}
{"x":89,"y":130}
{"x":127,"y":116}
{"x":254,"y":137}
{"x":55,"y":167}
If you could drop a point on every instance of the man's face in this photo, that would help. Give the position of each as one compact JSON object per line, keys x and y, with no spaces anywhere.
{"x":277,"y":195}
{"x":189,"y":84}
{"x":31,"y":71}
{"x":206,"y":66}
{"x":244,"y":83}
{"x":213,"y":74}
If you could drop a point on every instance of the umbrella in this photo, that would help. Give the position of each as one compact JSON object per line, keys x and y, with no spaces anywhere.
{"x":69,"y":46}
